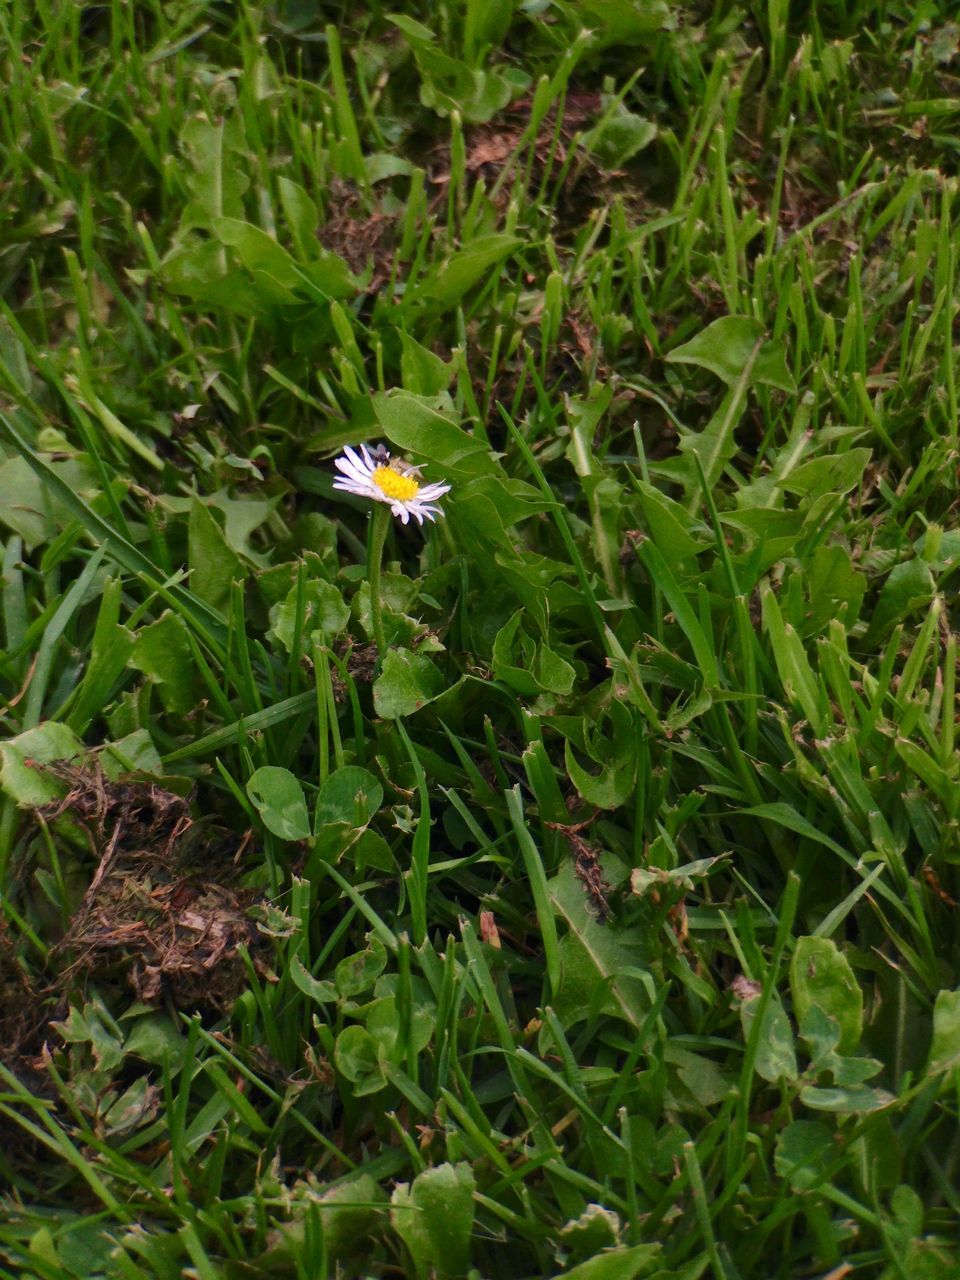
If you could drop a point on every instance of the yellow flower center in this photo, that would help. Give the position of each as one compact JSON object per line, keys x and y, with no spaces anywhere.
{"x":395,"y":485}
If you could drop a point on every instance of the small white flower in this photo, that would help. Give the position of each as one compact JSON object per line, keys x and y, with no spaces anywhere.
{"x":393,"y":481}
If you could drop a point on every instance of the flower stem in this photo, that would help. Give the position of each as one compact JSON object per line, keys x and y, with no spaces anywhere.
{"x":377,"y":536}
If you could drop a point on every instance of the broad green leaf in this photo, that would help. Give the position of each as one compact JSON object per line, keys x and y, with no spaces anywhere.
{"x":330,"y":274}
{"x":29,"y":784}
{"x":134,"y":752}
{"x":240,"y":517}
{"x":836,"y":473}
{"x":596,"y":1228}
{"x":434,"y":1219}
{"x":30,"y":508}
{"x":671,"y":527}
{"x":316,"y":989}
{"x":416,"y":32}
{"x":703,"y":651}
{"x":835,"y":590}
{"x":726,"y":348}
{"x":162,"y":652}
{"x":796,"y":674}
{"x":945,"y":1048}
{"x":214,"y":565}
{"x":449,"y":85}
{"x":608,"y":789}
{"x":908,"y":588}
{"x":323,"y":612}
{"x":483,"y":509}
{"x":854,"y":1098}
{"x":357,"y":1058}
{"x":486,"y":23}
{"x":682,"y":878}
{"x":407,"y":682}
{"x":466,"y":267}
{"x":156,"y":1038}
{"x":136,"y":1106}
{"x":593,"y":957}
{"x":610,"y":740}
{"x":776,"y":1056}
{"x":92,"y":1024}
{"x":259,"y":252}
{"x":379,"y":165}
{"x":197,"y":269}
{"x":617,"y":140}
{"x":803,"y":1152}
{"x":414,"y":425}
{"x":423,"y":373}
{"x":216,"y":177}
{"x":626,"y":22}
{"x":513,"y":655}
{"x":695,"y":1081}
{"x":301,"y":214}
{"x":357,"y":973}
{"x":382,"y":1020}
{"x":348,"y":1217}
{"x":529,"y":667}
{"x":279,"y":800}
{"x":624,"y":1263}
{"x":398,"y":596}
{"x":371,"y":850}
{"x":553,"y":673}
{"x":350,"y":795}
{"x":820,"y":975}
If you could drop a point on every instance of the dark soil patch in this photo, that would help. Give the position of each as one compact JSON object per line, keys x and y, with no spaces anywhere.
{"x":364,"y":240}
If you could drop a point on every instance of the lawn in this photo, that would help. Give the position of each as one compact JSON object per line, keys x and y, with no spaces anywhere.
{"x":565,"y":886}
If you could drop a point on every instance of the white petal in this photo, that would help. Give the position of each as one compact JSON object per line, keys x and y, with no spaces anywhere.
{"x":359,"y":492}
{"x":353,"y":482}
{"x":362,"y":464}
{"x":431,"y":491}
{"x":351,"y":470}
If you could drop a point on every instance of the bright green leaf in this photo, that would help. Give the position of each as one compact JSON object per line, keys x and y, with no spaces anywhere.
{"x":350,"y":795}
{"x":945,"y":1048}
{"x":162,"y":652}
{"x":30,"y":784}
{"x":407,"y":682}
{"x":820,"y":975}
{"x":214,"y":565}
{"x":434,"y":1219}
{"x":279,"y":799}
{"x":726,"y":348}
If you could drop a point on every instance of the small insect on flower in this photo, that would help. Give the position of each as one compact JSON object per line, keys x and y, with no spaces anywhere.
{"x":377,"y":476}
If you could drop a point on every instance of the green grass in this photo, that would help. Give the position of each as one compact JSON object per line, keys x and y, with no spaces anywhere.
{"x":605,"y":924}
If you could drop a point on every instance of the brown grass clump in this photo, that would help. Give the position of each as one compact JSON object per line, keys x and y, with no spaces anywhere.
{"x":161,"y":914}
{"x":161,"y":907}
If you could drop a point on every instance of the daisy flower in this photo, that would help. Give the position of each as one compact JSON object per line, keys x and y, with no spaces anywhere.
{"x":391,"y":480}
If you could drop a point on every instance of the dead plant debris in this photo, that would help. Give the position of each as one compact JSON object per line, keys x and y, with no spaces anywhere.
{"x":586,"y":864}
{"x":363,"y":240}
{"x":161,"y":909}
